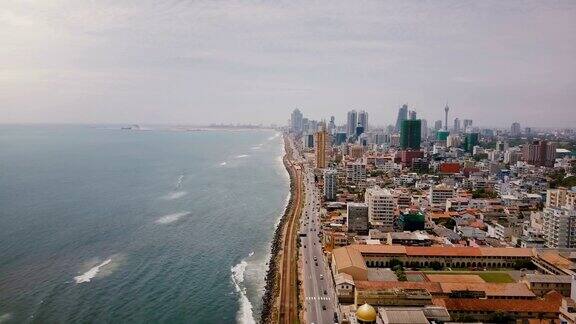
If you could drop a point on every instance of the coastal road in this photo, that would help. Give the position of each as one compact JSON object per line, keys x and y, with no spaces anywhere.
{"x":319,"y":295}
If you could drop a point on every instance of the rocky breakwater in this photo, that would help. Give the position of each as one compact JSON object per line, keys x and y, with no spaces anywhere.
{"x":272,"y":287}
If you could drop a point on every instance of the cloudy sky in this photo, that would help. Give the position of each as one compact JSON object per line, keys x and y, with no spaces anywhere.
{"x":198,"y":62}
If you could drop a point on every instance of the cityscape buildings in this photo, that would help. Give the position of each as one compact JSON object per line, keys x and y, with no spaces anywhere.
{"x":443,"y":227}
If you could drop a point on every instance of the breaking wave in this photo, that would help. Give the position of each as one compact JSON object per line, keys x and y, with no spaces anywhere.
{"x":175,"y":195}
{"x":245,"y":314}
{"x":90,"y":274}
{"x":171,"y":218}
{"x":241,"y":156}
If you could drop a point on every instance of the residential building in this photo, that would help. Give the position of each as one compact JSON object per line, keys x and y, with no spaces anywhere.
{"x":559,"y":227}
{"x":381,"y":208}
{"x":439,"y":194}
{"x":330,"y":184}
{"x":357,"y":218}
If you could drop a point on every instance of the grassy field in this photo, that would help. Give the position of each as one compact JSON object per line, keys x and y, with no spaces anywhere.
{"x":488,"y":276}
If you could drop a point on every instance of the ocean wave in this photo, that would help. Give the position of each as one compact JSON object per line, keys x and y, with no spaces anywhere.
{"x":273,"y":137}
{"x":241,"y":156}
{"x":175,"y":195}
{"x":171,"y":218}
{"x":256,"y":147}
{"x":90,"y":274}
{"x":223,"y":163}
{"x":245,"y":314}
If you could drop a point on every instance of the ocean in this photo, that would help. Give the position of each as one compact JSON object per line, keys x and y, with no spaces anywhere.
{"x":102,"y":225}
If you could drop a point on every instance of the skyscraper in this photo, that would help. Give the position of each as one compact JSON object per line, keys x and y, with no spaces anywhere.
{"x":437,"y":125}
{"x":321,"y":145}
{"x":296,"y":121}
{"x":363,"y":120}
{"x":351,"y":122}
{"x":515,"y":130}
{"x":467,"y":124}
{"x":402,"y":116}
{"x":424,"y":129}
{"x":332,"y":125}
{"x":410,"y":134}
{"x":456,"y":124}
{"x":412,"y":114}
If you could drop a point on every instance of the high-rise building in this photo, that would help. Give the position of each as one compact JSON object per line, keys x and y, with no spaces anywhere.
{"x":456,"y":124}
{"x":467,"y":124}
{"x":356,"y":173}
{"x":410,"y":134}
{"x":332,"y":126}
{"x":351,"y":122}
{"x":412,"y":114}
{"x":359,"y":130}
{"x":381,"y":207}
{"x":357,"y":218}
{"x":330,"y":184}
{"x":515,"y":130}
{"x":439,"y":194}
{"x":296,"y":121}
{"x":402,"y":116}
{"x":437,"y":125}
{"x":321,"y":142}
{"x":363,"y":120}
{"x":424,"y":129}
{"x":470,"y":140}
{"x":540,"y":153}
{"x":559,"y":227}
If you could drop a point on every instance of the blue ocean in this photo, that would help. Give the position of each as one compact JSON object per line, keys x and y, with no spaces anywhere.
{"x":103,"y":225}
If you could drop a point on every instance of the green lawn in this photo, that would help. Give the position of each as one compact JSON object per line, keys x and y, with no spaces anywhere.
{"x":488,"y":276}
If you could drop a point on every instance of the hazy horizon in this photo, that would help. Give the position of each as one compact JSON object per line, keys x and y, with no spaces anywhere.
{"x":196,"y":63}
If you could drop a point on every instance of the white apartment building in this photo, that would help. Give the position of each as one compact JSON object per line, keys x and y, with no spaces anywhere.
{"x":439,"y":194}
{"x":330,"y":187}
{"x":381,"y":208}
{"x":356,"y":173}
{"x":559,"y":227}
{"x":560,"y":197}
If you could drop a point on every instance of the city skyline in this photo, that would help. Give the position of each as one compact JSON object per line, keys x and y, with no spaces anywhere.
{"x":202,"y":63}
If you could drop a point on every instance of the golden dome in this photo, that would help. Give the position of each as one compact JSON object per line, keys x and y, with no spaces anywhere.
{"x":366,"y":313}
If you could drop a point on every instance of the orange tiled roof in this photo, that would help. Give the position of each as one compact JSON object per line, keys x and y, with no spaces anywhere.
{"x":550,"y":304}
{"x":455,"y":251}
{"x":432,"y":287}
{"x":491,"y":289}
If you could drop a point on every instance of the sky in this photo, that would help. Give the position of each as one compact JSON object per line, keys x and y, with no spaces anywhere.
{"x":199,"y":62}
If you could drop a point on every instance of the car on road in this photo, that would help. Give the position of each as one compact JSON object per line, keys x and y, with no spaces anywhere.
{"x":316,"y":263}
{"x":321,"y":277}
{"x":323,"y":307}
{"x":325,"y":292}
{"x":315,"y":258}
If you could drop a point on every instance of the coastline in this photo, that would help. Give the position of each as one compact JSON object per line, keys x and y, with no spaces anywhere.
{"x":272,"y":283}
